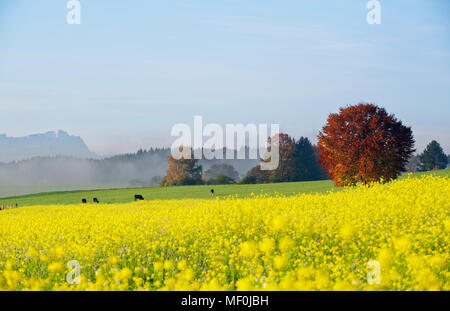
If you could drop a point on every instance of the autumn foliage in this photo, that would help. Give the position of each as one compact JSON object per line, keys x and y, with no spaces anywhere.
{"x":182,"y":171}
{"x":363,"y":143}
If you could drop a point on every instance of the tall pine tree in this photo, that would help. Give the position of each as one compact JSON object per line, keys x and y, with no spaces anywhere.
{"x":306,"y":167}
{"x":432,"y":158}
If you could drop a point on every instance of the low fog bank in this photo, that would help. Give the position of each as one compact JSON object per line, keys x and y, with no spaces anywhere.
{"x":141,"y":169}
{"x":74,"y":171}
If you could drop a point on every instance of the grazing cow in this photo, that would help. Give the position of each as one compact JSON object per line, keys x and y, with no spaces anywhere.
{"x":138,"y":197}
{"x":95,"y":200}
{"x":212,"y":192}
{"x":83,"y":201}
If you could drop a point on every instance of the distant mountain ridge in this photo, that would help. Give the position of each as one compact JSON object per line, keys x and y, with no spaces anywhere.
{"x":51,"y":143}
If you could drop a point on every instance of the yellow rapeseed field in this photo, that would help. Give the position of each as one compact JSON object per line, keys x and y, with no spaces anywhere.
{"x":383,"y":237}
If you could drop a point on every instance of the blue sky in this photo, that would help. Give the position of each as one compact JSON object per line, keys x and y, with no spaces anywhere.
{"x":133,"y":69}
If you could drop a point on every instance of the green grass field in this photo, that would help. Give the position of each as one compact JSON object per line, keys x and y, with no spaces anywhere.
{"x":185,"y":192}
{"x":9,"y":191}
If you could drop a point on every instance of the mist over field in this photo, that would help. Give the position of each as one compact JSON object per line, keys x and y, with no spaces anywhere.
{"x":57,"y":161}
{"x":142,"y":169}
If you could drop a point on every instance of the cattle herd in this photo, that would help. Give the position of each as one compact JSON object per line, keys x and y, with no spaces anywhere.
{"x":137,"y":197}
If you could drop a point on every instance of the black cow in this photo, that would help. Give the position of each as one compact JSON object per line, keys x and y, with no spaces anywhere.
{"x":138,"y":197}
{"x":212,"y":192}
{"x":95,"y":200}
{"x":84,"y":201}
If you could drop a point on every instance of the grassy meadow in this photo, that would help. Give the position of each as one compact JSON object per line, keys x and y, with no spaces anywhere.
{"x":111,"y":196}
{"x":10,"y":191}
{"x":168,"y":193}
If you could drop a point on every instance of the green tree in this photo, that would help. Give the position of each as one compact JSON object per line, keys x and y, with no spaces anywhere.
{"x":221,"y":180}
{"x":220,"y":169}
{"x":305,"y":165}
{"x":286,"y":167}
{"x":432,"y":158}
{"x":256,"y":176}
{"x":298,"y":162}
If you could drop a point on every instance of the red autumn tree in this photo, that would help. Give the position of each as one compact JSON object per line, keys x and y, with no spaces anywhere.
{"x":363,"y":143}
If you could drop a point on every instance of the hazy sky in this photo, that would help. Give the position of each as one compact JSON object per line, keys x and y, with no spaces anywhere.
{"x":133,"y":69}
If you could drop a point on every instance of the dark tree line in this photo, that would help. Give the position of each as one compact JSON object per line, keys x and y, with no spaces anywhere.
{"x":298,"y":162}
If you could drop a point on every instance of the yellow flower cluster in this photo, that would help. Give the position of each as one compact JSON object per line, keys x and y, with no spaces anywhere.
{"x":379,"y":237}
